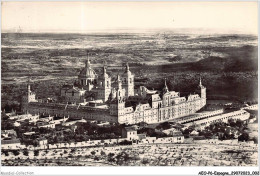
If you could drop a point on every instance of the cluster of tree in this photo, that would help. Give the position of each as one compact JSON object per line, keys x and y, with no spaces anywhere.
{"x":151,"y":132}
{"x":163,"y":126}
{"x":187,"y":131}
{"x":125,"y":142}
{"x":6,"y":124}
{"x":93,"y":129}
{"x":223,"y":130}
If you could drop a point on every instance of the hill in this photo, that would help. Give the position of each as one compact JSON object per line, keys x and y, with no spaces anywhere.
{"x":239,"y":59}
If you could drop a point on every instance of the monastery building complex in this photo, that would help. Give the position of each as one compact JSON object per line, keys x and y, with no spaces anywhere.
{"x":96,"y":97}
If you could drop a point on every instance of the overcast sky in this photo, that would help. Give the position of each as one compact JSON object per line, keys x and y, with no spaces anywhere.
{"x":94,"y":16}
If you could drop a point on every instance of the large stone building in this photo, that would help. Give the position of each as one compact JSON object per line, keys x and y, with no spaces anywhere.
{"x":95,"y":97}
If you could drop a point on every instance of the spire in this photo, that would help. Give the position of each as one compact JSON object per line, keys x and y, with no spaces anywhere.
{"x":119,"y":82}
{"x":87,"y":62}
{"x":104,"y":69}
{"x":28,"y":85}
{"x":200,"y":84}
{"x":165,"y":89}
{"x":127,"y":67}
{"x":118,"y":78}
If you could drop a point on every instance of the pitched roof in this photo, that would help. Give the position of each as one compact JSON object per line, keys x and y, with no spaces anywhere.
{"x":12,"y":141}
{"x":130,"y":129}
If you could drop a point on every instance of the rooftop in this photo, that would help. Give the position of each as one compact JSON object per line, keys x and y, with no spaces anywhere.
{"x":12,"y":141}
{"x":130,"y":128}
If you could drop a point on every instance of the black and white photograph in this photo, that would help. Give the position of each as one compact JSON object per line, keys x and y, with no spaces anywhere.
{"x":114,"y":84}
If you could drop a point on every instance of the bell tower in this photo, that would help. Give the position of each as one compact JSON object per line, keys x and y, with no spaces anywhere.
{"x":104,"y":85}
{"x":128,"y":81}
{"x":117,"y":106}
{"x":29,"y":97}
{"x":202,"y":90}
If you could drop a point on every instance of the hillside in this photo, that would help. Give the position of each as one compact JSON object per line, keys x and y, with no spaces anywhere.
{"x":239,"y":59}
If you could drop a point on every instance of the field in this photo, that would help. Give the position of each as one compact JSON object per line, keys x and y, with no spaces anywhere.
{"x":139,"y":155}
{"x":226,"y":63}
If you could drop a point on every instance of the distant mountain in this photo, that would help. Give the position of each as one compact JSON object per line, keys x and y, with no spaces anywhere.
{"x":239,"y":59}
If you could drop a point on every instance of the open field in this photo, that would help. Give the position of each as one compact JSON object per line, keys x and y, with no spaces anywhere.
{"x":140,"y":155}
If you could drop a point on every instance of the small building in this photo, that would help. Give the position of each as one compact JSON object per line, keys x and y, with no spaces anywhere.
{"x":17,"y":124}
{"x":41,"y":124}
{"x":30,"y":135}
{"x":71,"y":123}
{"x":42,"y":141}
{"x":170,"y":131}
{"x":130,"y":133}
{"x":194,"y":133}
{"x":102,"y":123}
{"x":141,"y":136}
{"x":8,"y":134}
{"x":10,"y":144}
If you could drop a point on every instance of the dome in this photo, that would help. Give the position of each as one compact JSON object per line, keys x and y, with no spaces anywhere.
{"x":87,"y":71}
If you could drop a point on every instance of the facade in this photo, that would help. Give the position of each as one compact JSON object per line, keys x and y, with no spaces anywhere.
{"x":95,"y":97}
{"x":10,"y":144}
{"x":129,"y":133}
{"x":72,"y":94}
{"x":240,"y":114}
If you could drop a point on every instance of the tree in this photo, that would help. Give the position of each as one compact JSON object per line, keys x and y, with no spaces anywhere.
{"x":110,"y":157}
{"x":73,"y":150}
{"x":243,"y":137}
{"x":145,"y":161}
{"x":255,"y":139}
{"x":164,"y":125}
{"x":16,"y":152}
{"x":93,"y":153}
{"x":36,"y":152}
{"x":102,"y":153}
{"x":122,"y":158}
{"x":96,"y":158}
{"x":6,"y":153}
{"x":25,"y":152}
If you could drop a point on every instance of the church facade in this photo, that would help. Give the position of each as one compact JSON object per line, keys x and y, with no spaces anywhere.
{"x":96,"y":97}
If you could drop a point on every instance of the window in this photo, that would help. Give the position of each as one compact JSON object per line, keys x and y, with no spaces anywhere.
{"x":72,"y":93}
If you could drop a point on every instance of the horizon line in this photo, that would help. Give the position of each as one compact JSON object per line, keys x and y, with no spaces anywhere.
{"x":206,"y":31}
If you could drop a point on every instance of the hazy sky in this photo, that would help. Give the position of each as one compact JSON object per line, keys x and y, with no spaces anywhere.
{"x":92,"y":16}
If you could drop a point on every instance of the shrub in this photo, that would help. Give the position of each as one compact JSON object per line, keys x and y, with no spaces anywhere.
{"x":36,"y":152}
{"x":16,"y":152}
{"x":145,"y":161}
{"x":243,"y":137}
{"x":25,"y":152}
{"x":6,"y":153}
{"x":93,"y":153}
{"x":102,"y":153}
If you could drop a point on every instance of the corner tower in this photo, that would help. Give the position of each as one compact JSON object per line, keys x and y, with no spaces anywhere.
{"x":117,"y":106}
{"x":29,"y":97}
{"x":202,"y":90}
{"x":104,"y":85}
{"x":128,"y":81}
